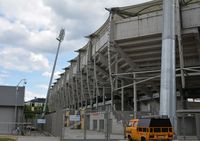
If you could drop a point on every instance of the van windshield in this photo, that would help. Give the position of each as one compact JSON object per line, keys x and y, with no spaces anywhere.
{"x":160,"y":123}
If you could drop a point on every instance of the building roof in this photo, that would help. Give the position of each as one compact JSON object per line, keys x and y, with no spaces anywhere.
{"x":38,"y":100}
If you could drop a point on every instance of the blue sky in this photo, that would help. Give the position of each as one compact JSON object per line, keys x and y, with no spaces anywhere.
{"x":28,"y":37}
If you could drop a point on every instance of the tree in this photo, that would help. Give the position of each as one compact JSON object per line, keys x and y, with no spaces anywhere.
{"x":28,"y":113}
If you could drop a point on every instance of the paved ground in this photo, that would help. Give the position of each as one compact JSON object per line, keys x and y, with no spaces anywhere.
{"x":40,"y":138}
{"x":72,"y":135}
{"x":79,"y":134}
{"x":46,"y":138}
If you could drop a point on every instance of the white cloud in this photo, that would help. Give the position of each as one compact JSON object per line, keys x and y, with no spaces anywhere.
{"x":31,"y":95}
{"x":30,"y":13}
{"x":57,"y":74}
{"x":34,"y":25}
{"x":4,"y":75}
{"x":23,"y":60}
{"x":41,"y":62}
{"x":18,"y":35}
{"x":43,"y":86}
{"x":48,"y":74}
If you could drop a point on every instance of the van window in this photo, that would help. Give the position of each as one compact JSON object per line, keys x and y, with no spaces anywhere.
{"x":144,"y":129}
{"x":164,"y":129}
{"x":151,"y":129}
{"x":130,"y":124}
{"x":140,"y":129}
{"x":157,"y":130}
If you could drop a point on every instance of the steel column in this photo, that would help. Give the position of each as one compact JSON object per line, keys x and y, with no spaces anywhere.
{"x":104,"y":96}
{"x":110,"y":43}
{"x":82,"y":89}
{"x":73,"y":93}
{"x":76,"y":86}
{"x":135,"y":96}
{"x":95,"y":77}
{"x":180,"y":48}
{"x":87,"y":74}
{"x":69,"y":96}
{"x":64,"y":87}
{"x":122,"y":96}
{"x":80,"y":78}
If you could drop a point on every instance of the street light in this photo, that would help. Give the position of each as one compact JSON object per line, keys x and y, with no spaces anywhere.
{"x":16,"y":98}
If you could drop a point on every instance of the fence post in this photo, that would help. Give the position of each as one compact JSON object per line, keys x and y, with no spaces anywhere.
{"x":62,"y":126}
{"x":184,"y":126}
{"x":85,"y":125}
{"x":107,"y":131}
{"x":197,"y":116}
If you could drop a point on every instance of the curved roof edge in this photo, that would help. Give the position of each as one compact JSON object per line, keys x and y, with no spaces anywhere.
{"x":137,"y":7}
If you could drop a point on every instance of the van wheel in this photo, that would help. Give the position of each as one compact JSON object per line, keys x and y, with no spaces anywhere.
{"x":129,"y":138}
{"x":143,"y":139}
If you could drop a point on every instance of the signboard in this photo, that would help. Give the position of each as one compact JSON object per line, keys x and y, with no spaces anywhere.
{"x":145,"y":97}
{"x":74,"y":118}
{"x":156,"y":95}
{"x":41,"y":121}
{"x":97,"y":115}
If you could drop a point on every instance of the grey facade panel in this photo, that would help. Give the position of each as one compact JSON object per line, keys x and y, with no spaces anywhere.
{"x":7,"y":114}
{"x":8,"y":96}
{"x":7,"y":121}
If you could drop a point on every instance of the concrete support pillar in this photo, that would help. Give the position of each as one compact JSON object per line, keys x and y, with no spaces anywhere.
{"x":168,"y":72}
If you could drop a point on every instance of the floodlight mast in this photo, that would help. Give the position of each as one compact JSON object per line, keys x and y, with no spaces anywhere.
{"x":60,"y":38}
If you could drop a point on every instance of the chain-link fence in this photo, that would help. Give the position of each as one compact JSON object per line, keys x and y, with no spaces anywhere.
{"x":95,"y":124}
{"x":109,"y":124}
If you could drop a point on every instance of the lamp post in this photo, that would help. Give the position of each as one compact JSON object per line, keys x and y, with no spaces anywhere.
{"x":16,"y":99}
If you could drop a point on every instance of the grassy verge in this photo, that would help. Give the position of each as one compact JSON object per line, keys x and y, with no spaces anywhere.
{"x":7,"y":139}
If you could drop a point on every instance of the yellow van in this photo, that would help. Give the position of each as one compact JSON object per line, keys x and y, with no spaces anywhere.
{"x":149,"y":129}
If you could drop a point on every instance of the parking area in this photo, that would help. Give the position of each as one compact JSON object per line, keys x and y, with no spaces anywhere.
{"x":38,"y":138}
{"x":79,"y":134}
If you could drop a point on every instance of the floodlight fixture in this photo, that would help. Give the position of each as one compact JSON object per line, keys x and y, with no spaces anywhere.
{"x":61,"y":36}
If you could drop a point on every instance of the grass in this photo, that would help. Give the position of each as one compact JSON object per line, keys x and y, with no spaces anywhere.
{"x":7,"y":139}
